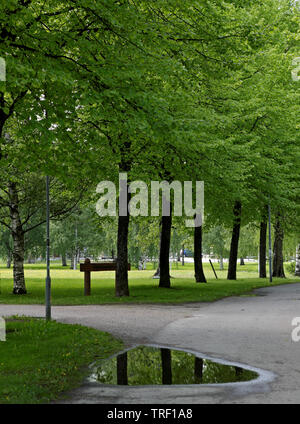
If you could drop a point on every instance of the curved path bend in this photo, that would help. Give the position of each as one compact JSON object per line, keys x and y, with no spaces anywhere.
{"x":254,"y":331}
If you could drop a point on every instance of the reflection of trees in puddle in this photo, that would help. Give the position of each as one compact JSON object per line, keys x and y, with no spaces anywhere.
{"x":166,"y":366}
{"x":198,"y":370}
{"x":122,"y":377}
{"x":148,"y":365}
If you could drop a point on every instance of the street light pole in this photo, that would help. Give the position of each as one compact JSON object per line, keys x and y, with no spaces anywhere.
{"x":48,"y":279}
{"x":270,"y":244}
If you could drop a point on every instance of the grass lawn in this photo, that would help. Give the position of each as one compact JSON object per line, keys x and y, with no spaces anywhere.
{"x":40,"y":360}
{"x":67,"y":285}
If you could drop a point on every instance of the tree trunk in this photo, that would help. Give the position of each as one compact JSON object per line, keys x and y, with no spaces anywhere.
{"x":18,"y":241}
{"x":263,"y":249}
{"x":297,"y":269}
{"x":157,"y":272}
{"x":30,"y":260}
{"x":121,"y":283}
{"x":122,"y":288}
{"x":221,"y":263}
{"x":182,"y":258}
{"x":198,"y":266}
{"x":9,"y":259}
{"x":72,"y":262}
{"x":278,"y":270}
{"x":164,"y":253}
{"x":64,"y":259}
{"x":18,"y":266}
{"x":242,"y":262}
{"x":231,"y":275}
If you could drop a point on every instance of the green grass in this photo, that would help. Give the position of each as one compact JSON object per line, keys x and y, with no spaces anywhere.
{"x":67,"y":286}
{"x":41,"y":360}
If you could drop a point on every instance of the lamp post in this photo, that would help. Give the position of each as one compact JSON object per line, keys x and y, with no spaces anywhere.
{"x":270,"y":244}
{"x":48,"y":279}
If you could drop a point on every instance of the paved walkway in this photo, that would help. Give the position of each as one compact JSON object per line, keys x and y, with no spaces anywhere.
{"x":255,"y":331}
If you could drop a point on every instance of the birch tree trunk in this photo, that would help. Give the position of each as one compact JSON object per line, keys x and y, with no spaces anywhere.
{"x":221,"y":263}
{"x":157,"y":272}
{"x":18,"y":241}
{"x":72,"y":261}
{"x":9,"y":260}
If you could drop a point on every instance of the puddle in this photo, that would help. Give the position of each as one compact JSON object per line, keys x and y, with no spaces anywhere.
{"x":145,"y":365}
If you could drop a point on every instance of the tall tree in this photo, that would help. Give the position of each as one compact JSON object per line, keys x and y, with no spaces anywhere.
{"x":278,"y":268}
{"x":237,"y":210}
{"x":199,"y":272}
{"x":22,"y":209}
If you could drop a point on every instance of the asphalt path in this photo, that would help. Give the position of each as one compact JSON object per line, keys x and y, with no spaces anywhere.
{"x":252,"y":331}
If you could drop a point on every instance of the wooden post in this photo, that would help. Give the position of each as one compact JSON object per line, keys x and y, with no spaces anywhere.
{"x":87,"y":267}
{"x":87,"y":280}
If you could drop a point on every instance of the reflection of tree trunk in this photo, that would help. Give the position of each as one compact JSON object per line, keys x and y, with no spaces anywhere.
{"x":263,"y":249}
{"x":198,"y":370}
{"x":199,"y":273}
{"x":122,"y":378}
{"x":231,"y":275}
{"x":166,"y":366}
{"x":278,"y":270}
{"x":238,"y":371}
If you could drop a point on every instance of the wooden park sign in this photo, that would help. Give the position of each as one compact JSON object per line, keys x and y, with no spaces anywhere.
{"x":87,"y":267}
